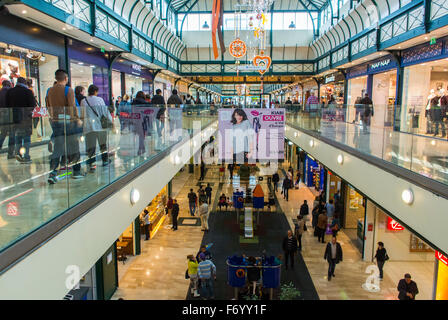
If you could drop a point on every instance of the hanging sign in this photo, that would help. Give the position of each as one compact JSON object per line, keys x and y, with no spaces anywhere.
{"x":442,"y":258}
{"x":237,"y":48}
{"x":262,"y":61}
{"x":393,"y":225}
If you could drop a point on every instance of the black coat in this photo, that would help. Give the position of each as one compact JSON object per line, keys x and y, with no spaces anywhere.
{"x":304,"y":210}
{"x":138,"y":101}
{"x":22,"y":101}
{"x":275,"y":177}
{"x":158,"y":99}
{"x":403,"y":288}
{"x":285,"y":244}
{"x":327,"y":254}
{"x":175,"y":210}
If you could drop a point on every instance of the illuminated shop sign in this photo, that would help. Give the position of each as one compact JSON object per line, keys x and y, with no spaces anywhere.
{"x":330,"y":79}
{"x":137,"y":67}
{"x":393,"y":225}
{"x":380,"y":64}
{"x":442,"y":258}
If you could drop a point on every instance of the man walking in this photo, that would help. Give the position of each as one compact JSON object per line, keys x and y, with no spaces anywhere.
{"x":66,"y":124}
{"x":6,"y":123}
{"x":230,"y":167}
{"x":174,"y":98}
{"x":322,"y":222}
{"x":368,"y":111}
{"x":208,"y":193}
{"x":202,"y":171}
{"x":192,"y":198}
{"x":275,"y":180}
{"x":22,"y":100}
{"x":333,"y":254}
{"x":158,"y":99}
{"x":286,"y":186}
{"x":147,"y":224}
{"x":175,"y":213}
{"x":203,"y":213}
{"x":289,"y":248}
{"x":206,"y":270}
{"x":407,"y":288}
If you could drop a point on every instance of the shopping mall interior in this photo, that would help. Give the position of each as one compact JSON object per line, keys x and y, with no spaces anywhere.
{"x":223,"y":150}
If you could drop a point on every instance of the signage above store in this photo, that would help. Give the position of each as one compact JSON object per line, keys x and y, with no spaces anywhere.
{"x":432,"y":41}
{"x":393,"y":225}
{"x":380,"y":64}
{"x":137,"y":67}
{"x":330,"y":79}
{"x":442,"y":258}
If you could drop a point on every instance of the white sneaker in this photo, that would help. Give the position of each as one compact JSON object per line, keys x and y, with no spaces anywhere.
{"x":196,"y":294}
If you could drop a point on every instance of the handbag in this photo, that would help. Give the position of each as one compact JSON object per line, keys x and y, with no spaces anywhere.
{"x":105,"y":122}
{"x":186,"y":274}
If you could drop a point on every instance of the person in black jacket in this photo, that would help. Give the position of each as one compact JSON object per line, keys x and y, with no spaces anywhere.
{"x":381,"y":257}
{"x":407,"y":288}
{"x":175,"y":213}
{"x":333,"y":254}
{"x":140,"y":99}
{"x":6,"y":124}
{"x":304,"y":210}
{"x":286,"y":186}
{"x":208,"y":192}
{"x":290,"y":248}
{"x":275,"y":180}
{"x":22,"y":100}
{"x":253,"y":273}
{"x":158,"y":98}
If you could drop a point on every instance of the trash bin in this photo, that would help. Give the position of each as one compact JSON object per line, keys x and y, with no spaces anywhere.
{"x":271,"y":273}
{"x":236,"y":272}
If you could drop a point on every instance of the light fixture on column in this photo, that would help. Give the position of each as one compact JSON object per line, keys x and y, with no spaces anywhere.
{"x":340,"y":159}
{"x":407,"y":196}
{"x":135,"y":196}
{"x":205,"y":25}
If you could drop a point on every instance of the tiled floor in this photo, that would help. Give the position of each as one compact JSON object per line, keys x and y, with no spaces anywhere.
{"x":158,"y":273}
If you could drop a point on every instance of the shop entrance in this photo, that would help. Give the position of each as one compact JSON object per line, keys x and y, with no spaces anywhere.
{"x":383,"y":97}
{"x":353,"y":217}
{"x":357,"y":87}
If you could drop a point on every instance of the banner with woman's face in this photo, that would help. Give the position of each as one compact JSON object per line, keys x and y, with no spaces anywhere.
{"x":251,"y":134}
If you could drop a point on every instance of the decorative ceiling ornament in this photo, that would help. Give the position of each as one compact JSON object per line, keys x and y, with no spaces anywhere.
{"x":237,"y":48}
{"x":262,"y":61}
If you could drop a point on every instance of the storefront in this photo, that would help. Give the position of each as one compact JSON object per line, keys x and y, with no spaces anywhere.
{"x":308,"y":87}
{"x":163,"y":83}
{"x":333,"y":86}
{"x":131,"y":78}
{"x":425,"y":77}
{"x":315,"y":173}
{"x":379,"y":80}
{"x":156,"y":209}
{"x":353,"y":217}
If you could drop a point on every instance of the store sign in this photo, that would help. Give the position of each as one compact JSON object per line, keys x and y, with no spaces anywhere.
{"x":442,"y":258}
{"x":380,"y":64}
{"x":432,"y":41}
{"x":12,"y":209}
{"x":329,"y":79}
{"x":393,"y":225}
{"x":137,"y":67}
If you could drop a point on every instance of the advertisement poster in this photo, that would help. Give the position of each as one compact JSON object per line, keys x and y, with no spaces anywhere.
{"x":247,"y":135}
{"x":11,"y":68}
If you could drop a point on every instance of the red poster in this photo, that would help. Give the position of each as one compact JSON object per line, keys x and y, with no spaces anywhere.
{"x":442,"y":258}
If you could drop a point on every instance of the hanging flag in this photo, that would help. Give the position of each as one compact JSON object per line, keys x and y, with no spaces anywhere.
{"x":220,"y":34}
{"x":216,"y":10}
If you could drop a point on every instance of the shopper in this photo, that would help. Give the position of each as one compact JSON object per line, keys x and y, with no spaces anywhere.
{"x":189,"y":99}
{"x":206,"y":274}
{"x":407,"y":288}
{"x":169,"y":209}
{"x":275,"y":180}
{"x":297,"y":184}
{"x":230,"y":167}
{"x":175,"y":213}
{"x":330,"y":210}
{"x":93,"y":111}
{"x":193,"y":274}
{"x":192,"y":199}
{"x":204,"y":251}
{"x":222,"y":202}
{"x":300,"y":228}
{"x":289,"y":248}
{"x":253,"y":273}
{"x":22,"y":101}
{"x":333,"y":254}
{"x":285,"y":187}
{"x":315,"y":214}
{"x":147,"y":224}
{"x":203,"y":213}
{"x":368,"y":111}
{"x":140,"y":99}
{"x":304,"y":209}
{"x":208,"y":193}
{"x":381,"y":257}
{"x":322,"y":222}
{"x":158,"y":99}
{"x":124,"y":111}
{"x":6,"y":123}
{"x":335,"y":225}
{"x":66,"y":125}
{"x":201,"y":178}
{"x":174,"y":98}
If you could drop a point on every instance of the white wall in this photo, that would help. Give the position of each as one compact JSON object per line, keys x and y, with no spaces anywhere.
{"x":425,"y":215}
{"x":41,"y":275}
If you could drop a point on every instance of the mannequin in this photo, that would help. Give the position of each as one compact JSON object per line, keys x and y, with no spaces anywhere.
{"x":428,"y":113}
{"x":436,"y":115}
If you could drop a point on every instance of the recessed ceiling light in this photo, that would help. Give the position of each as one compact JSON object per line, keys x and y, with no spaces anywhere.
{"x":426,"y":38}
{"x":91,"y":39}
{"x":63,"y":28}
{"x":24,"y":12}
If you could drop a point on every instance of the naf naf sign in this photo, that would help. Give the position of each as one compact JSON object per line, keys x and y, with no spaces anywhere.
{"x":382,"y":65}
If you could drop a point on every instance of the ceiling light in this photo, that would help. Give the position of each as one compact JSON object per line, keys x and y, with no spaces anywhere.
{"x":24,"y":12}
{"x":91,"y":39}
{"x":340,"y":159}
{"x":407,"y":196}
{"x":292,"y":25}
{"x":205,"y":26}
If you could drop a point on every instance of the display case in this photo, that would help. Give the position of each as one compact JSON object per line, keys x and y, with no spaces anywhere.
{"x":156,"y":209}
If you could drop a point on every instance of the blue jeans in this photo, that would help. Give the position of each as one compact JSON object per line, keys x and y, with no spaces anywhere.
{"x":192,"y":208}
{"x":207,"y":288}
